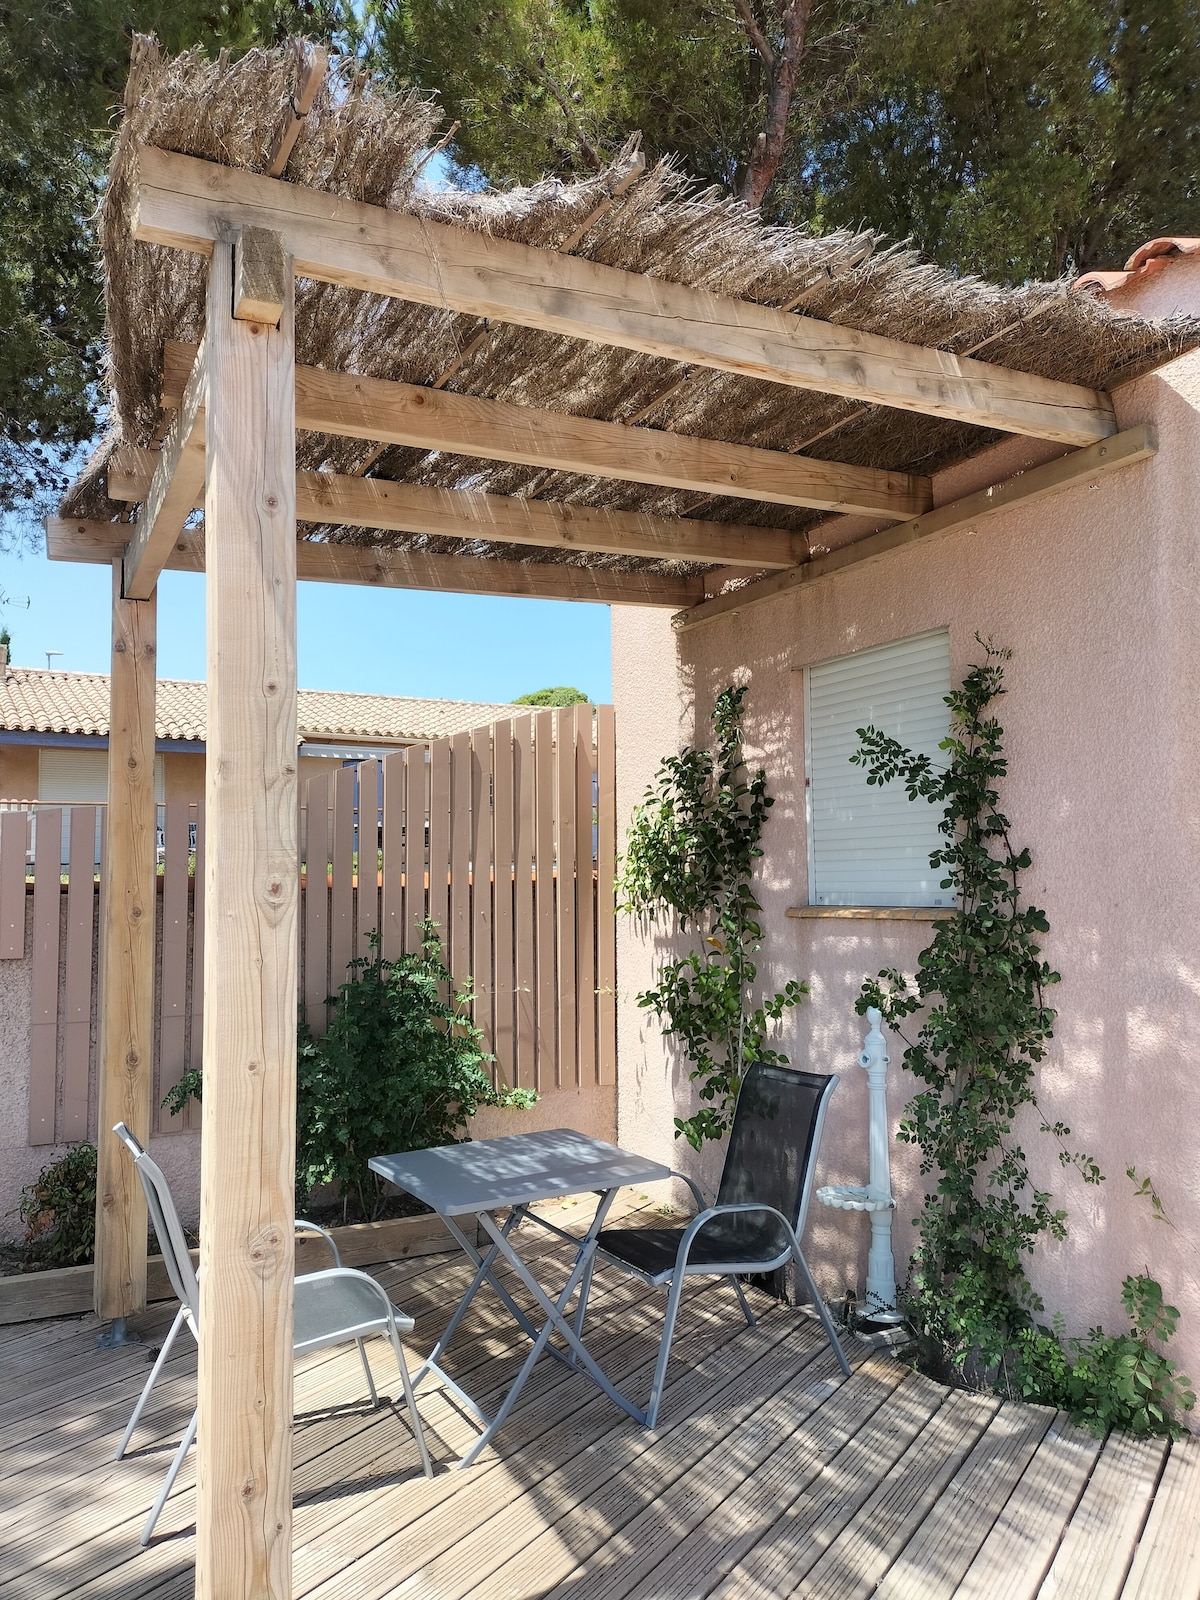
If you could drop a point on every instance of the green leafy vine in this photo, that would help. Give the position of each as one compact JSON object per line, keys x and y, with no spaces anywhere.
{"x":981,"y":985}
{"x":690,"y":856}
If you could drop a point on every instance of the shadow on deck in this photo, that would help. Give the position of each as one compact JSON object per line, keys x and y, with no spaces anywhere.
{"x":770,"y":1475}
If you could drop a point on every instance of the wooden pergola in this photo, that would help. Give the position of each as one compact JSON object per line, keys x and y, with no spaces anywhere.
{"x":238,"y":400}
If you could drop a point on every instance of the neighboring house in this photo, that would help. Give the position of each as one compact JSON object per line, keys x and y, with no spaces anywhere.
{"x":54,"y":732}
{"x":1095,"y":591}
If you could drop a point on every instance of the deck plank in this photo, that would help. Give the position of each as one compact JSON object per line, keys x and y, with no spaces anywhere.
{"x":1167,"y":1563}
{"x":1098,"y":1547}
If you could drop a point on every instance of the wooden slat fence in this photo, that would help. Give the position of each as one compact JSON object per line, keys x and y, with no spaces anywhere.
{"x":505,"y":837}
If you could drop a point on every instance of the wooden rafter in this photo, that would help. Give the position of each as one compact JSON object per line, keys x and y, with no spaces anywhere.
{"x":401,"y":569}
{"x":345,"y":404}
{"x":178,"y":480}
{"x":501,"y":519}
{"x":183,"y":203}
{"x":1025,"y":488}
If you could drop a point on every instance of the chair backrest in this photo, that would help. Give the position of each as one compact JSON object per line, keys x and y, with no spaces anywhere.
{"x":164,"y":1219}
{"x":773,"y":1144}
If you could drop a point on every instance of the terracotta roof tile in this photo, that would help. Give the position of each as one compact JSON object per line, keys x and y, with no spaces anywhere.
{"x":1146,"y":260}
{"x":34,"y":700}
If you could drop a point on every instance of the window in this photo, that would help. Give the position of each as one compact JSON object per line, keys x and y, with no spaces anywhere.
{"x":80,"y":777}
{"x":869,"y":845}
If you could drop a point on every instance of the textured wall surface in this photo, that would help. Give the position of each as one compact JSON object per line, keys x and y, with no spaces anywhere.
{"x":1094,"y":590}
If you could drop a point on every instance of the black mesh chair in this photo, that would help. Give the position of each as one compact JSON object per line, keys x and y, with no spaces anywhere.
{"x":758,"y":1220}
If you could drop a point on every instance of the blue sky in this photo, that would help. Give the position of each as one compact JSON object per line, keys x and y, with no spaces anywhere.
{"x":446,"y":646}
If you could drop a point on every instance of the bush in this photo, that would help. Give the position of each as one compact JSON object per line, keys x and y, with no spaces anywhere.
{"x":59,"y":1210}
{"x":401,"y":1068}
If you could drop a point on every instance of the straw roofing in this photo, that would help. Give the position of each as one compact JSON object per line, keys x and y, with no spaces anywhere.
{"x":366,"y":144}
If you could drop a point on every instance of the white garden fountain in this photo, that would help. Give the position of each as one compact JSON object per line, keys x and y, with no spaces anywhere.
{"x":875,"y":1197}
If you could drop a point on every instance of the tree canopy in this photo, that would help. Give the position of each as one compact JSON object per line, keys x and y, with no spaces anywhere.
{"x":560,"y":696}
{"x":1017,"y":139}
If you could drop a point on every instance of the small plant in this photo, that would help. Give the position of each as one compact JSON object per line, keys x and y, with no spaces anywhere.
{"x":189,"y":1087}
{"x":692,"y":847}
{"x":59,"y":1210}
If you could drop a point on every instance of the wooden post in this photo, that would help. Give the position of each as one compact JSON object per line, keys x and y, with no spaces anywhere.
{"x":244,"y":1469}
{"x":126,"y":960}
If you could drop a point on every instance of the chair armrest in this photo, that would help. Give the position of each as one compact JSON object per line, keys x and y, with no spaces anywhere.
{"x":705,"y":1217}
{"x":693,"y":1186}
{"x":302,"y":1225}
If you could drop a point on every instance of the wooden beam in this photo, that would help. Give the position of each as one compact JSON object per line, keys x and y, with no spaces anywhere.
{"x":378,"y":409}
{"x":503,"y":519}
{"x":126,"y":1059}
{"x":257,"y":276}
{"x":181,"y":202}
{"x":401,"y":569}
{"x":178,"y":479}
{"x":252,"y":891}
{"x":316,"y":63}
{"x":1024,"y":489}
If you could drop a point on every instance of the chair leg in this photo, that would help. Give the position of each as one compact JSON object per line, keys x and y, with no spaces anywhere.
{"x":362,"y":1350}
{"x":185,"y":1444}
{"x":180,"y":1317}
{"x":410,"y":1400}
{"x":822,"y":1311}
{"x":664,"y":1349}
{"x":741,"y":1294}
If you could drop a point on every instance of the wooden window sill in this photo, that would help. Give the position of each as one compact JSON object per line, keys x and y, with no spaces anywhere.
{"x":873,"y":913}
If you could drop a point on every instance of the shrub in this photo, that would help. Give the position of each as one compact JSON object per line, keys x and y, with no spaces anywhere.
{"x":59,"y":1210}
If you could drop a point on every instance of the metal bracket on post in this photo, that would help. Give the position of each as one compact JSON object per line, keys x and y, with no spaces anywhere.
{"x":876,"y":1197}
{"x":116,"y":1335}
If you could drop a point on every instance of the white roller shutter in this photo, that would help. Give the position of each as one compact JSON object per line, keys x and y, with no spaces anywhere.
{"x":869,"y":845}
{"x":69,"y":777}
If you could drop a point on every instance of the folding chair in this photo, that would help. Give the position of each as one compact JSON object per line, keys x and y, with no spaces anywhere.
{"x":331,"y":1307}
{"x":758,"y":1220}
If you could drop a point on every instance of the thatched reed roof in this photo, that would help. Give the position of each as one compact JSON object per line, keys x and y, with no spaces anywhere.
{"x":368,"y":145}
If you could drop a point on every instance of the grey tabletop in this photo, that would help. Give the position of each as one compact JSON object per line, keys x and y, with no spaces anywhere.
{"x":485,"y":1174}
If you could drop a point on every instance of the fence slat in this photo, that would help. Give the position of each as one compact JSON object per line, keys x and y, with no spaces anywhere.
{"x":564,"y":855}
{"x":502,"y":902}
{"x":367,"y":899}
{"x":415,"y":840}
{"x":341,"y":909}
{"x":525,"y":1056}
{"x":316,"y":903}
{"x":460,"y":857}
{"x":43,"y":1018}
{"x":14,"y":841}
{"x":543,"y":870}
{"x":172,"y":988}
{"x":439,"y":842}
{"x":482,"y":954}
{"x":77,"y":998}
{"x":585,"y":890}
{"x":606,"y":878}
{"x":391,"y":925}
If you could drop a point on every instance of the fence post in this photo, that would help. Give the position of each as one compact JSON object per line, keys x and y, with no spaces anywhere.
{"x":126,"y":960}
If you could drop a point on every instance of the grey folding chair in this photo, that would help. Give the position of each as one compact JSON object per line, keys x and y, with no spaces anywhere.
{"x":758,"y":1220}
{"x":331,"y":1307}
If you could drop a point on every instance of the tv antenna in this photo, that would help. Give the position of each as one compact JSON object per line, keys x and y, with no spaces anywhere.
{"x":50,"y":653}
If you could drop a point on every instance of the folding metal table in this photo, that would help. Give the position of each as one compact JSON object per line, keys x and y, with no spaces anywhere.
{"x":484,"y":1176}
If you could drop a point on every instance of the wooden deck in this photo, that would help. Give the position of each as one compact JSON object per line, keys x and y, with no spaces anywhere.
{"x":770,"y":1475}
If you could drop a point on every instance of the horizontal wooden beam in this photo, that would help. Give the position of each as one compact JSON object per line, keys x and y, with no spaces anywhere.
{"x":68,"y":540}
{"x":184,"y":203}
{"x":1024,"y":489}
{"x":502,"y":519}
{"x":381,"y":410}
{"x":178,"y":480}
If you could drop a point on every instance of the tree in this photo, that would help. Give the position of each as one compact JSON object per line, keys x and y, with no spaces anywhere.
{"x":562,"y":696}
{"x":62,"y":71}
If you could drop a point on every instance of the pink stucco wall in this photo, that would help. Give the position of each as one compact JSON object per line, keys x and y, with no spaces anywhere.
{"x":1095,"y":591}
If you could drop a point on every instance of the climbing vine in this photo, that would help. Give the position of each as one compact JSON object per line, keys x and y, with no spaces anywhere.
{"x":690,"y":856}
{"x":982,"y":986}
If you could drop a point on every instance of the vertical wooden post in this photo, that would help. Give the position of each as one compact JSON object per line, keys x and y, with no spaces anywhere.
{"x":126,"y":959}
{"x":244,"y":1469}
